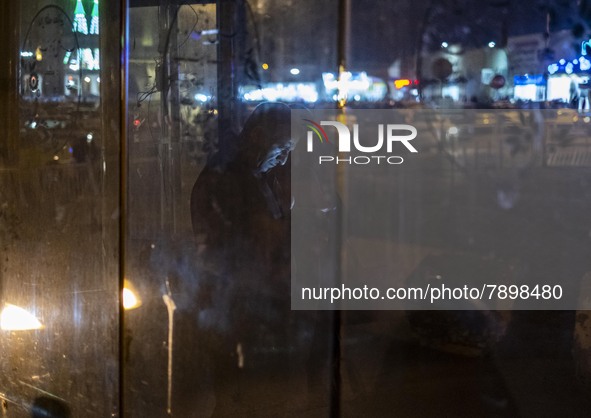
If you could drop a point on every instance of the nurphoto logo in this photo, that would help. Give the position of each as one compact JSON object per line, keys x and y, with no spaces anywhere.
{"x":390,"y":135}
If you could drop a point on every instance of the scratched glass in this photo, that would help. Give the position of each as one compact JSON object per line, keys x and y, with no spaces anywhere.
{"x":59,"y":178}
{"x":207,"y":202}
{"x":213,"y":324}
{"x":209,"y":330}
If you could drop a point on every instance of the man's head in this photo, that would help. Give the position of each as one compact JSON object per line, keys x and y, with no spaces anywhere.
{"x":265,"y":141}
{"x":277,"y":155}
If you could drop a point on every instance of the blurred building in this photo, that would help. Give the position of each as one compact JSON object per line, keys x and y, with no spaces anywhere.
{"x":57,"y":63}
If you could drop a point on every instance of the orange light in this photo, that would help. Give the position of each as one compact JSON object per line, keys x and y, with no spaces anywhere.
{"x":401,"y":83}
{"x":131,"y":299}
{"x":15,"y":318}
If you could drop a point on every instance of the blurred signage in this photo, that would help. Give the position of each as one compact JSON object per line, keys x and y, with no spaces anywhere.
{"x":497,"y":82}
{"x":524,"y":53}
{"x":525,"y":80}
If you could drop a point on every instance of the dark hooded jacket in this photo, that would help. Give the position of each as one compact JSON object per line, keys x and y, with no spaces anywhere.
{"x":241,"y":217}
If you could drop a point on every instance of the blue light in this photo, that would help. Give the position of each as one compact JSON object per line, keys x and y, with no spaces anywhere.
{"x":200,"y":97}
{"x":552,"y":68}
{"x":562,"y":62}
{"x":585,"y":64}
{"x":525,"y":80}
{"x":569,"y":68}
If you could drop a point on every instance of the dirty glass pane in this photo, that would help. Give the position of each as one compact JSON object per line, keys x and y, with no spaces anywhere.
{"x":495,"y":195}
{"x":211,"y":331}
{"x":58,"y":210}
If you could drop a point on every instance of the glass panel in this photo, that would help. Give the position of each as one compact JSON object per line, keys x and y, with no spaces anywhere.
{"x":210,"y":207}
{"x":59,"y":210}
{"x":207,"y":204}
{"x":207,"y":257}
{"x":497,"y":200}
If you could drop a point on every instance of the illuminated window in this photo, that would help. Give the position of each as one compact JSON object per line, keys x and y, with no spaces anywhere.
{"x":94,"y":19}
{"x":67,"y":57}
{"x":80,"y":24}
{"x":88,"y":61}
{"x":526,"y":92}
{"x":97,"y":61}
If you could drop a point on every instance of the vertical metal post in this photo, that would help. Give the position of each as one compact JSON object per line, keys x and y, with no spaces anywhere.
{"x":550,"y":128}
{"x":174,"y":151}
{"x":8,"y":95}
{"x":113,"y":47}
{"x":344,"y":16}
{"x":9,"y":65}
{"x":169,"y":144}
{"x":420,"y":42}
{"x":344,"y":33}
{"x":227,"y":83}
{"x":343,"y":44}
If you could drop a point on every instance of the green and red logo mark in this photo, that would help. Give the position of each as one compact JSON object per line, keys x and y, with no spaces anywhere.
{"x":318,"y":130}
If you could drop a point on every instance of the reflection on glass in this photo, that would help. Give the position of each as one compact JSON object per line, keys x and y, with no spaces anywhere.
{"x":59,"y":182}
{"x":131,"y":299}
{"x":80,"y":24}
{"x":60,"y":49}
{"x":14,"y":318}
